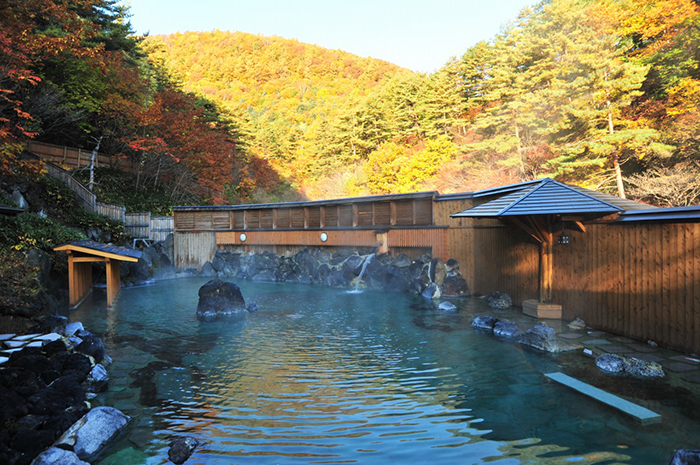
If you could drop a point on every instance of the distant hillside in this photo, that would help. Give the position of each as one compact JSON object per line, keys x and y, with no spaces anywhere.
{"x":284,"y":91}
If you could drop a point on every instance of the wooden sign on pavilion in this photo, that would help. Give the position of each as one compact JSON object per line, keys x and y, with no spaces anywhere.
{"x":81,"y":256}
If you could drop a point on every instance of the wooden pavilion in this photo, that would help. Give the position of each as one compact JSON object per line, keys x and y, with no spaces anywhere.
{"x":542,"y":208}
{"x":81,"y":256}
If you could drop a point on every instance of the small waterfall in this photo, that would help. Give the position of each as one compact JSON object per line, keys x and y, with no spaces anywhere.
{"x":362,"y":271}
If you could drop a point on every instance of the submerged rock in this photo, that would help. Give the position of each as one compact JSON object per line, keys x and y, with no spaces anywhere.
{"x":485,"y":323}
{"x":181,"y":449}
{"x":455,"y":286}
{"x":499,"y":301}
{"x":577,"y":323}
{"x":431,"y":292}
{"x":505,"y":328}
{"x":618,"y":364}
{"x":541,"y":337}
{"x":447,"y":306}
{"x":219,"y":298}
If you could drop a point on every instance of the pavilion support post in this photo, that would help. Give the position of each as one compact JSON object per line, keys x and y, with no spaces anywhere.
{"x":79,"y":279}
{"x":546,"y":271}
{"x":113,"y":280}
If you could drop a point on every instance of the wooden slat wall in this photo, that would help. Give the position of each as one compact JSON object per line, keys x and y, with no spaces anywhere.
{"x":330,"y":216}
{"x":192,"y":250}
{"x":435,"y":238}
{"x":423,"y":238}
{"x":411,"y":212}
{"x":363,"y":238}
{"x":641,"y":280}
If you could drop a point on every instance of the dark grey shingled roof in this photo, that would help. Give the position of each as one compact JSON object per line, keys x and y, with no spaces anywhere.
{"x":546,"y":197}
{"x":107,"y":248}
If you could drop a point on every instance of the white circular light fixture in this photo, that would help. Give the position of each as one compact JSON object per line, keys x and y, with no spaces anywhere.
{"x":324,"y":237}
{"x":243,"y":237}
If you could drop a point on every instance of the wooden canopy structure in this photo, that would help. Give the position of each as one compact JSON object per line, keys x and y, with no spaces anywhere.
{"x":81,"y":256}
{"x":543,"y":207}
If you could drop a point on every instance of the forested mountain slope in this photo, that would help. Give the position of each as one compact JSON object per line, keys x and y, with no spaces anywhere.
{"x":597,"y":92}
{"x":286,"y":95}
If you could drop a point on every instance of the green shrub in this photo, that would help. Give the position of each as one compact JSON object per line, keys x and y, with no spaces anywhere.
{"x":63,"y":200}
{"x":28,"y":231}
{"x":19,"y":283}
{"x":119,"y":187}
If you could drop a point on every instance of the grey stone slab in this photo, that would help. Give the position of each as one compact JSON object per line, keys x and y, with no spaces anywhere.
{"x":645,"y":416}
{"x":5,"y":337}
{"x":622,"y":339}
{"x":596,"y":342}
{"x":642,"y":347}
{"x":685,"y":359}
{"x":9,"y":351}
{"x":15,"y":344}
{"x":26,"y":337}
{"x":613,"y":349}
{"x":4,"y":359}
{"x":48,"y":337}
{"x":570,"y":335}
{"x":597,"y":333}
{"x":679,"y":367}
{"x":692,"y":378}
{"x":645,"y":357}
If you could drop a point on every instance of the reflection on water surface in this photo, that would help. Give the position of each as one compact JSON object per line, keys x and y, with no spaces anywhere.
{"x":321,"y":375}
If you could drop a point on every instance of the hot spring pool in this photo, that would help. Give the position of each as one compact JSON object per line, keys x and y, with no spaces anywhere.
{"x":320,"y":375}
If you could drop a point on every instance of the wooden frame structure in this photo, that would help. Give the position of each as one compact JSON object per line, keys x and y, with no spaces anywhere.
{"x":538,"y":208}
{"x":81,"y":256}
{"x":387,"y":223}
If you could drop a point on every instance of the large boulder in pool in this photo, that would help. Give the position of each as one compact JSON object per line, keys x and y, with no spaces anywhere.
{"x":219,"y":298}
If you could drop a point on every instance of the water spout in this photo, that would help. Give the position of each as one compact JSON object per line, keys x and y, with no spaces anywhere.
{"x":362,"y":271}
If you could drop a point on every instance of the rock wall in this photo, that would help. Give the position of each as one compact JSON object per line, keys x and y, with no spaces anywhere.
{"x":427,"y":276}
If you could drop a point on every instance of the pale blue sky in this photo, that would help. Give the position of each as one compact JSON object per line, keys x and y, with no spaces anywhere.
{"x":420,"y":35}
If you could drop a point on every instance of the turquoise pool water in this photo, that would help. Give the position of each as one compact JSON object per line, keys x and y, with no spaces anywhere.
{"x":320,"y":376}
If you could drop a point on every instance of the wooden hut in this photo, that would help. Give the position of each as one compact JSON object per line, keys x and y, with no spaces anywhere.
{"x":81,"y":256}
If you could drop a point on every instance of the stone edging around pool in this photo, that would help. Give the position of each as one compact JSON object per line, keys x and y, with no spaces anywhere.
{"x":46,"y":381}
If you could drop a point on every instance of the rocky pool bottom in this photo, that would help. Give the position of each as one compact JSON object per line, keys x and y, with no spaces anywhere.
{"x":321,"y":375}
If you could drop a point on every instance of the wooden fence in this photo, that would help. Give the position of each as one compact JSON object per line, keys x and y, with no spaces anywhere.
{"x":136,"y":225}
{"x":144,"y":226}
{"x":86,"y":198}
{"x":68,"y":156}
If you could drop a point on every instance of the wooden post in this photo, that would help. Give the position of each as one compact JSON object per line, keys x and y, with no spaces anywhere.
{"x":546,"y":271}
{"x":113,"y":280}
{"x":382,"y":243}
{"x":79,"y":279}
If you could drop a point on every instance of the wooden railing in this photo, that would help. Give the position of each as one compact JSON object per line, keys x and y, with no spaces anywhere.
{"x":136,"y":225}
